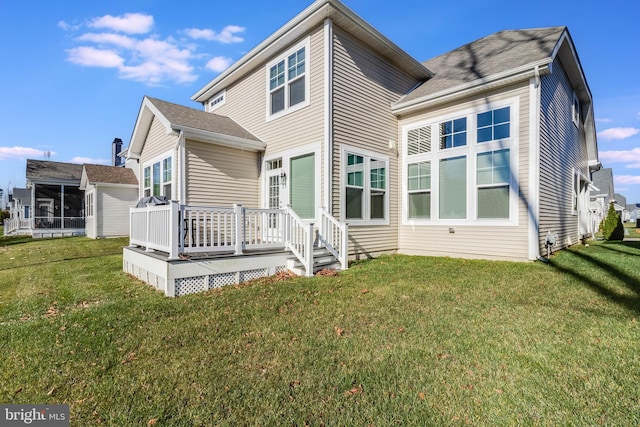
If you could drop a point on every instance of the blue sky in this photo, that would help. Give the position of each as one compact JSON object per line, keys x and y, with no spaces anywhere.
{"x":74,"y":72}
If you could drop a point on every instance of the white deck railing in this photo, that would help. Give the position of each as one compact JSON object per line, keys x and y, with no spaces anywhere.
{"x":334,"y":235}
{"x":15,"y":224}
{"x":179,"y":229}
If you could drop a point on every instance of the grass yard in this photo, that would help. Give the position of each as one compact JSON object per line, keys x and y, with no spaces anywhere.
{"x":398,"y":340}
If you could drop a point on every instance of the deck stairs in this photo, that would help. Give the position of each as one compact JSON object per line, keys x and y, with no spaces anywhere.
{"x":323,"y":259}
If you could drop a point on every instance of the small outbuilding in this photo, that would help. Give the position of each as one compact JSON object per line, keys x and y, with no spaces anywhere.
{"x":109,"y":192}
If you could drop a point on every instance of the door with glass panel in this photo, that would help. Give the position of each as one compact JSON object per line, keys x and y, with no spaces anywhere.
{"x":275,"y":198}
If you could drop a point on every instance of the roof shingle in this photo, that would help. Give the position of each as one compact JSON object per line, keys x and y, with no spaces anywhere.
{"x":45,"y":169}
{"x":100,"y":174}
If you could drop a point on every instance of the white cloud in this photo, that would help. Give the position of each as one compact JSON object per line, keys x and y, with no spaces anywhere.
{"x":81,"y":160}
{"x":615,"y":134}
{"x":68,"y":27}
{"x":226,"y":36}
{"x":130,"y":23}
{"x":626,"y":179}
{"x":631,"y":157}
{"x":219,"y":63}
{"x":149,"y":59}
{"x":92,"y":57}
{"x":8,"y":153}
{"x":109,"y":38}
{"x":604,"y":120}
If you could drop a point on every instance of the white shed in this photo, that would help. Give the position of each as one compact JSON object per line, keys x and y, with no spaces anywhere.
{"x":109,"y":192}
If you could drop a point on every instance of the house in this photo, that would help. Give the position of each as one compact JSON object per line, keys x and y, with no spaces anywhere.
{"x":57,"y":199}
{"x":328,"y":128}
{"x":19,"y":212}
{"x":109,"y":192}
{"x":54,"y":203}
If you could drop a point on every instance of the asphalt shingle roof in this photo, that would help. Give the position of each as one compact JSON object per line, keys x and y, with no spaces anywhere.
{"x":110,"y":174}
{"x":486,"y":57}
{"x":45,"y":169}
{"x":179,"y":116}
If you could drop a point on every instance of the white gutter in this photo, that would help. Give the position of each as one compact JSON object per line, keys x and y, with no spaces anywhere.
{"x":479,"y":85}
{"x":328,"y":112}
{"x":220,"y":139}
{"x":533,"y":202}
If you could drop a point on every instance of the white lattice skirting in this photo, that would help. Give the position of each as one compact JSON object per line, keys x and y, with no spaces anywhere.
{"x":194,"y":279}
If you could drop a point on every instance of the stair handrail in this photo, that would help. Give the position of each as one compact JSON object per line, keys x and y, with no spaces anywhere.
{"x":300,"y":239}
{"x":334,"y":235}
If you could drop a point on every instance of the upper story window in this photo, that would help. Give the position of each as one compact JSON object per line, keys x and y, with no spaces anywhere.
{"x":218,"y":100}
{"x":494,"y":124}
{"x":575,"y":110}
{"x":419,"y":140}
{"x":453,"y":133}
{"x":288,"y":81}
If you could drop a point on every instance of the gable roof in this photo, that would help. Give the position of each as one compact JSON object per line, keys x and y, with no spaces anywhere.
{"x":100,"y":174}
{"x":22,"y":194}
{"x":195,"y":124}
{"x":306,"y":20}
{"x":48,"y":170}
{"x":502,"y":55}
{"x":603,"y":181}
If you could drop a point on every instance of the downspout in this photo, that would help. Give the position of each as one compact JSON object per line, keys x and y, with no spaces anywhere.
{"x":533,"y":204}
{"x":328,"y":113}
{"x":179,"y":175}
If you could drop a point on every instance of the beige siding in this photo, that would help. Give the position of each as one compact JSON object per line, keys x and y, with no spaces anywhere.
{"x":220,"y":176}
{"x":474,"y":240}
{"x":157,"y":143}
{"x":562,"y":149}
{"x":113,"y":210}
{"x":246,"y":103}
{"x":365,"y":87}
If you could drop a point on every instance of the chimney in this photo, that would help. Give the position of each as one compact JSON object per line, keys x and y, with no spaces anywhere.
{"x":116,"y":147}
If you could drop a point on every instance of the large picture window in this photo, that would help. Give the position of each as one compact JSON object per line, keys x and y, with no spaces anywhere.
{"x":288,"y":81}
{"x":366,"y":197}
{"x":462,"y":168}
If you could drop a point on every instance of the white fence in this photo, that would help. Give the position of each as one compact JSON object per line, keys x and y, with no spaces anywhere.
{"x":15,"y":224}
{"x":179,"y":229}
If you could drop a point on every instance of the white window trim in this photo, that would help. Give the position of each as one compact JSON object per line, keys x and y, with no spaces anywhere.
{"x":471,"y":151}
{"x":575,"y":112}
{"x":344,"y":149}
{"x":306,"y":43}
{"x":158,"y":159}
{"x":210,"y":104}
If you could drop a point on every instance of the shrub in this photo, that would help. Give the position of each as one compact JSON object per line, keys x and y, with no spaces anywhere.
{"x":612,"y":228}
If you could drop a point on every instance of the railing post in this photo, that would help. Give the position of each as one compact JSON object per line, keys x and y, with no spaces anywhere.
{"x":147,"y":230}
{"x":344,"y":253}
{"x":131,"y":225}
{"x":174,"y":225}
{"x":308,"y":254}
{"x":238,"y":211}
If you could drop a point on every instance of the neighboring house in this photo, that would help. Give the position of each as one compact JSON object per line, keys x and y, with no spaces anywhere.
{"x":58,"y":208}
{"x":481,"y":152}
{"x":19,"y":212}
{"x":109,"y":192}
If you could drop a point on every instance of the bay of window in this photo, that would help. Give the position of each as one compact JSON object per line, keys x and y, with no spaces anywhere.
{"x":494,"y":124}
{"x":493,"y":176}
{"x":453,"y":188}
{"x":419,"y":186}
{"x":453,"y":133}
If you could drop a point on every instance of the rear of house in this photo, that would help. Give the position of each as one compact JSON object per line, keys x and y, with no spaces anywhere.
{"x":483,"y":152}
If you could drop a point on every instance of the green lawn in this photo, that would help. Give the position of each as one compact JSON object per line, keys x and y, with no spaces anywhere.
{"x":398,"y":340}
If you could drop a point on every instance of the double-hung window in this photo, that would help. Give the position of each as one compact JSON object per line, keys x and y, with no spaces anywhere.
{"x":493,"y":177}
{"x":288,"y":81}
{"x":366,"y":196}
{"x":157,"y":178}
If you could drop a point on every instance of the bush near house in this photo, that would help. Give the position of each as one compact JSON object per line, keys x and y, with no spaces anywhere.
{"x":3,"y":215}
{"x":612,"y":228}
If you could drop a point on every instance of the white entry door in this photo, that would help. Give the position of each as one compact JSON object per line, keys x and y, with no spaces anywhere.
{"x":276,"y":197}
